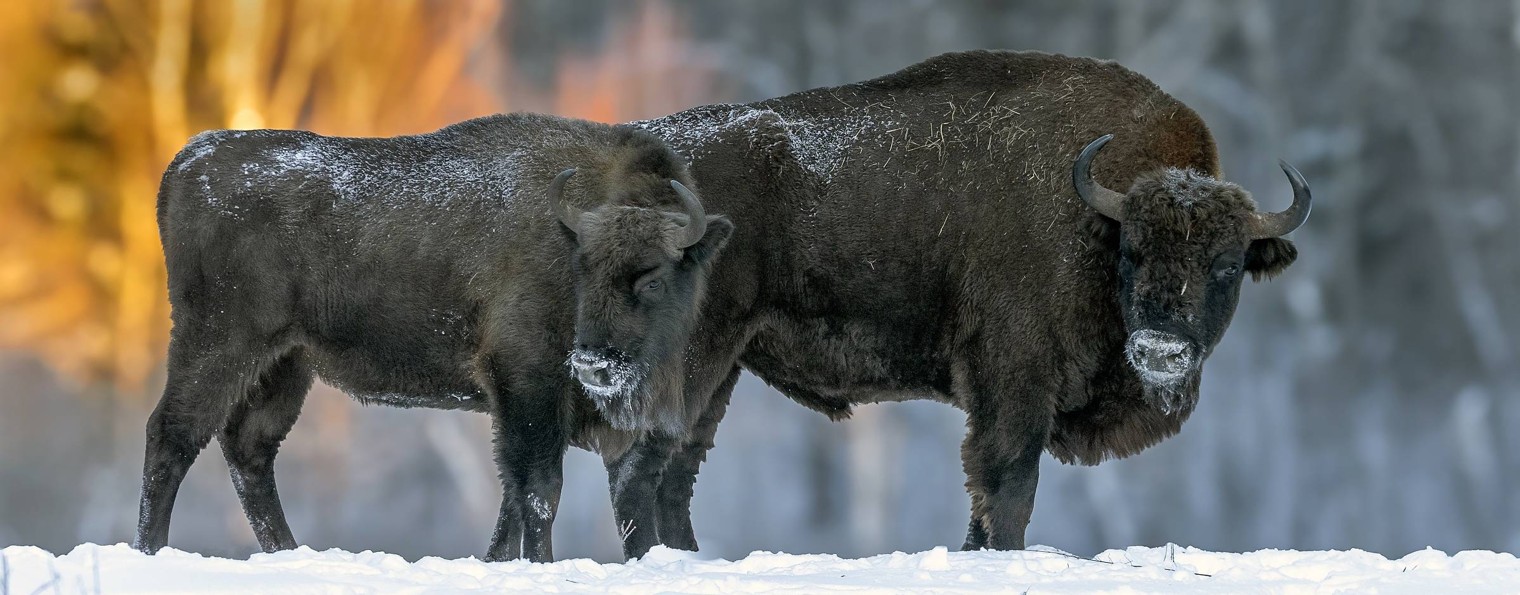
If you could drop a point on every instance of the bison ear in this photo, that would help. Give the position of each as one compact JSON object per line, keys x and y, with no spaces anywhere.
{"x":1266,"y":258}
{"x":718,"y":230}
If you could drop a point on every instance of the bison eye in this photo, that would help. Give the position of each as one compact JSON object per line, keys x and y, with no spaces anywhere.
{"x":648,"y":282}
{"x":1229,"y":271}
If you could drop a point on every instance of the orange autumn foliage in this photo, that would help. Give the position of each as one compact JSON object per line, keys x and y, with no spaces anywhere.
{"x":96,"y":97}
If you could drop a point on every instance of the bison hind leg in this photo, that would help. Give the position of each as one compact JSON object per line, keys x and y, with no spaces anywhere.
{"x":251,"y":438}
{"x":207,"y":376}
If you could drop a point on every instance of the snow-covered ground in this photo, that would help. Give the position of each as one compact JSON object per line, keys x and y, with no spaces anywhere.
{"x":119,"y":569}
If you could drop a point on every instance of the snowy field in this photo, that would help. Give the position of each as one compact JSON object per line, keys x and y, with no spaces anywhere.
{"x":119,"y":569}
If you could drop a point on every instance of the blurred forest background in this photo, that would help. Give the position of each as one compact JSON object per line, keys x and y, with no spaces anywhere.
{"x":1365,"y":399}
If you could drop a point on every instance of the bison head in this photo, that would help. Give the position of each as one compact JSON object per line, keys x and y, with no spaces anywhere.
{"x":1186,"y":240}
{"x":640,"y":275}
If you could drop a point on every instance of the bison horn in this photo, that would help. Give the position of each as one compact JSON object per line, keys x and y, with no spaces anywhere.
{"x":1102,"y":200}
{"x":696,"y":225}
{"x":569,"y":214}
{"x":1270,"y":225}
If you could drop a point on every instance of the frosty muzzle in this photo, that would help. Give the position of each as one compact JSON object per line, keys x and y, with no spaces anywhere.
{"x":1160,"y":358}
{"x":613,"y":383}
{"x":604,"y":373}
{"x":592,"y":372}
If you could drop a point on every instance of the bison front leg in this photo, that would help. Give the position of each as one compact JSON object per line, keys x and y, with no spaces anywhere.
{"x":1001,"y":456}
{"x":976,"y":535}
{"x":530,"y":450}
{"x":634,"y":479}
{"x":680,"y":475}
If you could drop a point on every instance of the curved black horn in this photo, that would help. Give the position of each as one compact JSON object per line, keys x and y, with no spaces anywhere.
{"x":1102,"y":200}
{"x":569,"y":214}
{"x":696,"y":225}
{"x":1271,"y":225}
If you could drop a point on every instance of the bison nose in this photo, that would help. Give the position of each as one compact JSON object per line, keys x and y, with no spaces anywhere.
{"x":592,"y":371}
{"x":594,"y":376}
{"x":1159,"y":356}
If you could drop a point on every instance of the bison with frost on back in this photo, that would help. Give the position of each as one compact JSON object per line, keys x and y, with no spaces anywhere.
{"x":415,"y":271}
{"x":938,"y":233}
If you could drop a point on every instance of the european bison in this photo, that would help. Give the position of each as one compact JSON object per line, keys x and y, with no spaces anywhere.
{"x":934,"y":233}
{"x":417,"y":271}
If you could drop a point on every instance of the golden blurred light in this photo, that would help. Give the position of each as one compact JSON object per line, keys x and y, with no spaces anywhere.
{"x":78,"y":82}
{"x":104,"y":262}
{"x":67,"y":202}
{"x":96,"y":96}
{"x":246,"y":119}
{"x":16,"y":278}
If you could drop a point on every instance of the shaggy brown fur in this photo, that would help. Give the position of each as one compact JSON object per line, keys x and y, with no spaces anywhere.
{"x":918,"y":236}
{"x":1176,"y":233}
{"x":417,"y":271}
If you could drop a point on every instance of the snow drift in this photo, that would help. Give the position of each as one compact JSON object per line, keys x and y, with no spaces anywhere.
{"x":119,"y":569}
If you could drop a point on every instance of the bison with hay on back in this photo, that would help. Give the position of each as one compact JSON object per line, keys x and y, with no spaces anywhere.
{"x":952,"y":232}
{"x":417,"y":271}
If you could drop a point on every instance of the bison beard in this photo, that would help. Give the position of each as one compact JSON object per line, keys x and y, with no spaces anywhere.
{"x":619,"y":390}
